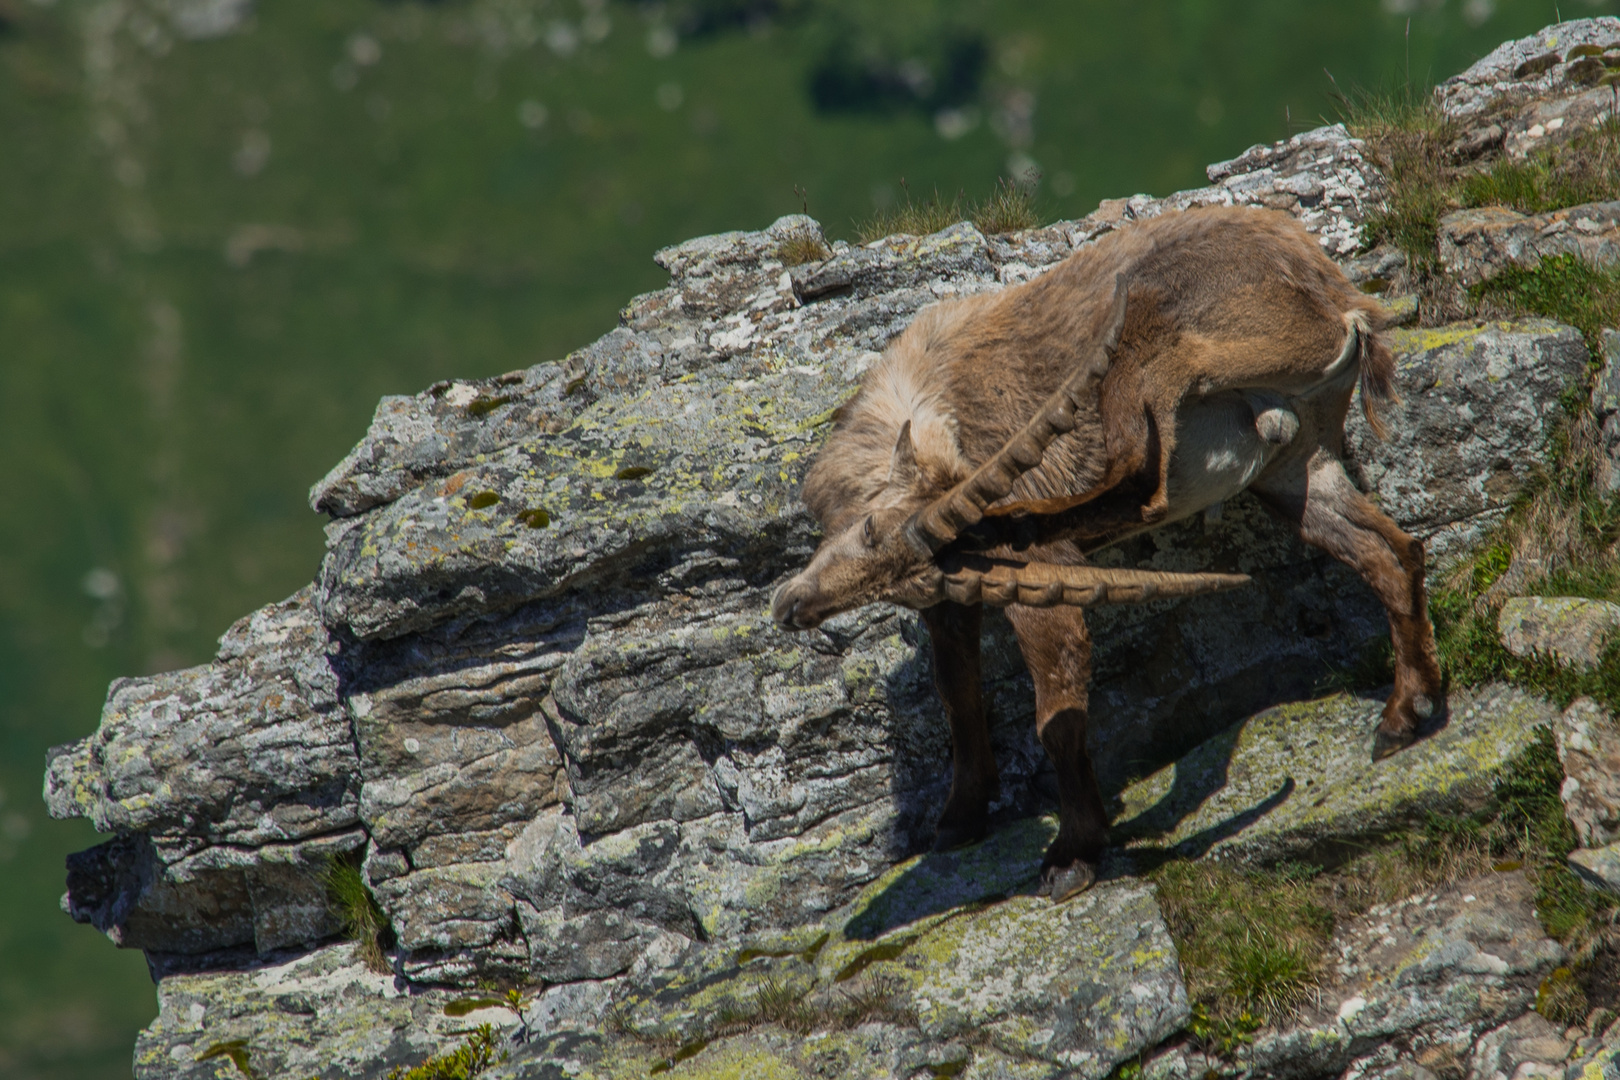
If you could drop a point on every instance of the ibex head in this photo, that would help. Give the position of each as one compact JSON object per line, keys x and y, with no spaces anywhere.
{"x":892,"y":550}
{"x":875,"y":557}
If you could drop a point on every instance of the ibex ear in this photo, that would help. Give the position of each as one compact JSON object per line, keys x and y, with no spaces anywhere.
{"x":904,"y":472}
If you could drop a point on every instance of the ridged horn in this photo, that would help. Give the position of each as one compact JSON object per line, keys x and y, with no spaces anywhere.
{"x":943,"y":520}
{"x":999,"y":582}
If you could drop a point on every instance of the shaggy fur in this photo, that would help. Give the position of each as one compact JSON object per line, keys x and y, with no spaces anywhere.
{"x":1218,"y":299}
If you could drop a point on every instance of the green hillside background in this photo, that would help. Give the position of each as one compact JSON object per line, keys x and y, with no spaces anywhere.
{"x":217,"y":250}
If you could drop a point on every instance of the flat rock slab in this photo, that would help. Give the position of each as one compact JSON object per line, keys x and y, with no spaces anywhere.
{"x":1299,"y":777}
{"x":1044,"y":990}
{"x":1443,"y":475}
{"x":1570,"y":629}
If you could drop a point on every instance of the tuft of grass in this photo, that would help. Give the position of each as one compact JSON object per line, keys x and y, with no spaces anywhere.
{"x":1250,"y":942}
{"x":1585,"y":170}
{"x":780,"y":1004}
{"x":477,"y":1055}
{"x":364,"y":922}
{"x":1561,"y":998}
{"x":913,"y":217}
{"x":1010,"y":208}
{"x":1406,"y":135}
{"x":1563,"y":287}
{"x":802,"y":246}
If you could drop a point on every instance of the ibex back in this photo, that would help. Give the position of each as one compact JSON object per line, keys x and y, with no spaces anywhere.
{"x":1150,"y":376}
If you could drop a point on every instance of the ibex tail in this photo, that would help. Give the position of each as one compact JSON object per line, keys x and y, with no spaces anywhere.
{"x":1377,"y":364}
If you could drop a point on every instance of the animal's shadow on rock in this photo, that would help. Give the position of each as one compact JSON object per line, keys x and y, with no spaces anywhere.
{"x":1006,"y":863}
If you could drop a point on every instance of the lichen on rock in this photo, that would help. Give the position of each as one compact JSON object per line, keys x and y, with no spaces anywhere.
{"x":535,"y":693}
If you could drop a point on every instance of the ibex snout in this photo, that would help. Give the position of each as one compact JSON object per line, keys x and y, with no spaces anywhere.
{"x":792,"y":605}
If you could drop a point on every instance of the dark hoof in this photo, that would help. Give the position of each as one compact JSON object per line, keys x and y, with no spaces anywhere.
{"x":1064,"y":882}
{"x":951,"y":837}
{"x":1385,"y":744}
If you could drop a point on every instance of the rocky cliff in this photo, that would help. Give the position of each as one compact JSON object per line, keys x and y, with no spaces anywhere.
{"x":535,"y":697}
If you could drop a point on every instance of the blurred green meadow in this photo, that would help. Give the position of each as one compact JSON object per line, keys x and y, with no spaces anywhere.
{"x":227,"y":228}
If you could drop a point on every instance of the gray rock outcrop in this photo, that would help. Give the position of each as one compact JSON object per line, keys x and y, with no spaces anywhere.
{"x":535,"y":694}
{"x":1571,"y":630}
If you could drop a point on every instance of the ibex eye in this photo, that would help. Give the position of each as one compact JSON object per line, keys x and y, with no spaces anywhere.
{"x":868,"y":534}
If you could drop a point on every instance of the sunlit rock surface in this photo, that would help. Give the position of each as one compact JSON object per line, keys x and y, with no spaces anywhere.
{"x":1293,"y":781}
{"x":534,"y":694}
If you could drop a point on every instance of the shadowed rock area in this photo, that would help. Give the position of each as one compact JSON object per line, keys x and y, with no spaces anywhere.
{"x":535,"y":696}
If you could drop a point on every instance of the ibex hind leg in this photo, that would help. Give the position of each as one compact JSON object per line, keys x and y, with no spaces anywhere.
{"x":1057,"y":650}
{"x":954,"y":632}
{"x":1319,"y":499}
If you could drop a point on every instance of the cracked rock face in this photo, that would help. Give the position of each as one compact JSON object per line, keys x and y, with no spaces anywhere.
{"x":1589,"y":750}
{"x":1476,"y":245}
{"x":535,"y":694}
{"x":229,"y":786}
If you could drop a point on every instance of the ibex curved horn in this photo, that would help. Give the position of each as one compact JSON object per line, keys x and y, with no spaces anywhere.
{"x":943,"y":520}
{"x":974,"y":579}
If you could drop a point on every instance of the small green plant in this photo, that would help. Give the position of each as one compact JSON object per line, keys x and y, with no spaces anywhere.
{"x":235,"y":1051}
{"x":1561,"y":998}
{"x":1224,"y":1035}
{"x":471,"y":1058}
{"x":356,"y":910}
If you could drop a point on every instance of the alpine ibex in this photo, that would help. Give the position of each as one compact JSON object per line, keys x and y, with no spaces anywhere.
{"x":1150,"y":376}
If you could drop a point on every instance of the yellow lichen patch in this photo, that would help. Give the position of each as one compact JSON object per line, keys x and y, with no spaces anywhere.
{"x":1408,"y":340}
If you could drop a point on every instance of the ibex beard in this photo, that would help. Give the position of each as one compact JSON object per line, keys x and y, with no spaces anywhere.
{"x":1003,"y":437}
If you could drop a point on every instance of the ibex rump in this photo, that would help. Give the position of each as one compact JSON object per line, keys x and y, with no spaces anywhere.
{"x":1152,"y":375}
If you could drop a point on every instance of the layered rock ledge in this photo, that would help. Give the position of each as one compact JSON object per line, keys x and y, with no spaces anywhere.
{"x":535,"y":695}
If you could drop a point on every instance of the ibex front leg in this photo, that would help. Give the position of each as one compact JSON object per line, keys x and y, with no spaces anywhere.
{"x":1057,"y":650}
{"x":954,"y":631}
{"x":1319,"y":499}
